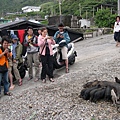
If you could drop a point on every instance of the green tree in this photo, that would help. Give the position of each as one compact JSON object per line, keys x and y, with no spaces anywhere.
{"x":104,"y":18}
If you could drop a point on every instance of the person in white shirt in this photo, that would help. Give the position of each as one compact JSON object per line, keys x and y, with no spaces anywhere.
{"x":117,"y":31}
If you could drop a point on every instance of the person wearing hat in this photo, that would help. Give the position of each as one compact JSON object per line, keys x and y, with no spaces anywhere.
{"x":16,"y":53}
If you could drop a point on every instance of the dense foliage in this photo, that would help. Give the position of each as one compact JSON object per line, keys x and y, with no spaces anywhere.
{"x":104,"y":18}
{"x":72,"y":7}
{"x":81,"y":8}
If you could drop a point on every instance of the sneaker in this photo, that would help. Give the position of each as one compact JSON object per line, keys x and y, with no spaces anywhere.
{"x":51,"y":80}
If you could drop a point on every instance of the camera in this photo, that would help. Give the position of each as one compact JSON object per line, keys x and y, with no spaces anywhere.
{"x":9,"y":50}
{"x":46,"y":44}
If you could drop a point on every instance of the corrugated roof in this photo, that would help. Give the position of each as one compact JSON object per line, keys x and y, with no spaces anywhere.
{"x":17,"y":23}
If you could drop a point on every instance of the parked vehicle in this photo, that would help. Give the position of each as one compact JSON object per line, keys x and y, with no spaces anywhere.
{"x":58,"y":61}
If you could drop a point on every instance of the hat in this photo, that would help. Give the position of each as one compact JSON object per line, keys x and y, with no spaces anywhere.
{"x":13,"y":36}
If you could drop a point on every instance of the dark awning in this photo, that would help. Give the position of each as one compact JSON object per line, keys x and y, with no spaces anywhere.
{"x":23,"y":24}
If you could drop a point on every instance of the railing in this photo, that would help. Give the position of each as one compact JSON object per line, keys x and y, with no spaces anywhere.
{"x":93,"y":32}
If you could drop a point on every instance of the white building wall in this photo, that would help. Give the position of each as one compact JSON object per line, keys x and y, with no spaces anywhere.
{"x":30,"y":9}
{"x":118,"y":7}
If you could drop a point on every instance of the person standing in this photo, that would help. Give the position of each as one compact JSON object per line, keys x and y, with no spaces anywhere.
{"x":39,"y":32}
{"x":31,"y":42}
{"x":17,"y":58}
{"x":45,"y":42}
{"x":60,"y":35}
{"x":117,"y":31}
{"x":4,"y":55}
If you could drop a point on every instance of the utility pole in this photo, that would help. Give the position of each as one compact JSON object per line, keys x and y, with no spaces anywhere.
{"x":97,"y":9}
{"x":60,"y":10}
{"x":101,"y":7}
{"x":80,"y":9}
{"x":93,"y":12}
{"x":118,"y":7}
{"x":111,"y":10}
{"x":86,"y":14}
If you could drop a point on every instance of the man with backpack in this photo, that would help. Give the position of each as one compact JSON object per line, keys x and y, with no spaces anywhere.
{"x":31,"y":43}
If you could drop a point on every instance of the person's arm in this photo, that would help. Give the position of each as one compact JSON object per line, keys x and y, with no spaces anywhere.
{"x":56,"y":37}
{"x":10,"y":55}
{"x":66,"y":37}
{"x":3,"y":53}
{"x":19,"y":52}
{"x":114,"y":27}
{"x":25,"y":43}
{"x":53,"y":41}
{"x":41,"y":41}
{"x":35,"y":41}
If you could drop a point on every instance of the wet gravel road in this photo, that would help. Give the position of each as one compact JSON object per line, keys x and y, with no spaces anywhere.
{"x":98,"y":58}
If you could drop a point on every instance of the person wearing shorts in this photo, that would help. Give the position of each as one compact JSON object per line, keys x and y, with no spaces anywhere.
{"x":60,"y":35}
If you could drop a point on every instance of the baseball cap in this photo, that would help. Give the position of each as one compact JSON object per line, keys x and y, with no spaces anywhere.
{"x":13,"y":36}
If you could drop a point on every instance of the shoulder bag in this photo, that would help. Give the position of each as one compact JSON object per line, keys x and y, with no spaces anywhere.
{"x":41,"y":53}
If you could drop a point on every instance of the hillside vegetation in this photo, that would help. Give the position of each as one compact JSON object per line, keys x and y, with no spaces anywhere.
{"x":49,"y":7}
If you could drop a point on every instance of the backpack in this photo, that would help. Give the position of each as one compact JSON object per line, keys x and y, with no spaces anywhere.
{"x":24,"y":50}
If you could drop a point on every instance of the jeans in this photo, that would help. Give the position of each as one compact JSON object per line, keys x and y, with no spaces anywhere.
{"x":4,"y":77}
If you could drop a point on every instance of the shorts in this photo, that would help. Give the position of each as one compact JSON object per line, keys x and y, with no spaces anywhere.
{"x":117,"y":36}
{"x":64,"y":52}
{"x":10,"y":69}
{"x":10,"y":66}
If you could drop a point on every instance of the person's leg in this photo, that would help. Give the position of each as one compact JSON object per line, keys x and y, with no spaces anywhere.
{"x":64,"y":51}
{"x":5,"y":82}
{"x":43,"y":72}
{"x":11,"y":79}
{"x":66,"y":63}
{"x":116,"y":35}
{"x":36,"y":65}
{"x":118,"y":38}
{"x":30,"y":65}
{"x":16,"y":73}
{"x":50,"y":67}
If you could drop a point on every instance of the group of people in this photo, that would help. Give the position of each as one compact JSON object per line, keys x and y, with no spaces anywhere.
{"x":35,"y":47}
